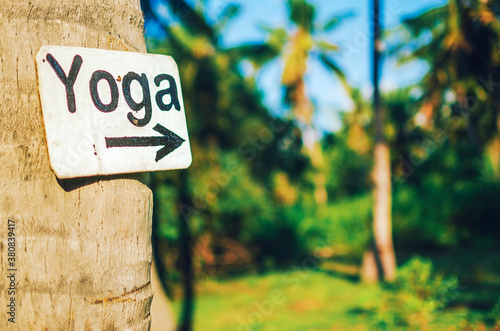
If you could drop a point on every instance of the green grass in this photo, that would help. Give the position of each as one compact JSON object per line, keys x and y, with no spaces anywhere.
{"x":299,"y":300}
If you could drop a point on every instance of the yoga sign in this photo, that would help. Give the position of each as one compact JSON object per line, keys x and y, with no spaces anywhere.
{"x":110,"y":112}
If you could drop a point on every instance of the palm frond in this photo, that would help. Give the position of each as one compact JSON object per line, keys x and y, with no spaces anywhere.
{"x":257,"y":54}
{"x":192,"y":18}
{"x":198,"y":46}
{"x":427,"y":20}
{"x":334,"y":67}
{"x":302,"y":13}
{"x":227,"y":14}
{"x":325,"y":46}
{"x":336,"y":20}
{"x":276,"y":38}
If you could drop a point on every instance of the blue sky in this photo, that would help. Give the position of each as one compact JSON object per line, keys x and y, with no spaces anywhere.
{"x":353,"y":37}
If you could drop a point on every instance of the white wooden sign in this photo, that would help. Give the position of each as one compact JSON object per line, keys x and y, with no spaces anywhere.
{"x":109,"y":112}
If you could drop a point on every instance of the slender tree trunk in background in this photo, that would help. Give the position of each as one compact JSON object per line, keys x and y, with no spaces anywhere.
{"x":304,"y":110}
{"x":83,"y":246}
{"x":382,"y":224}
{"x":383,"y":254}
{"x":493,"y":149}
{"x":316,"y":155}
{"x":186,"y":257}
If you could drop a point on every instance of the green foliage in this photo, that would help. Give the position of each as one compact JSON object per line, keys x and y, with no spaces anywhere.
{"x":344,"y":227}
{"x":278,"y":243}
{"x":441,"y":195}
{"x":488,"y":321}
{"x":348,"y":171}
{"x":165,"y":212}
{"x":415,"y":297}
{"x":494,"y":315}
{"x":444,"y":203}
{"x":422,"y":217}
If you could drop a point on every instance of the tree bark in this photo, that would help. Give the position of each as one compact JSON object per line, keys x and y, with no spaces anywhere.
{"x":83,"y":246}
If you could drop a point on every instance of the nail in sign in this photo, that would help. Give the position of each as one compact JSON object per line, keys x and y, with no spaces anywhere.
{"x":109,"y":112}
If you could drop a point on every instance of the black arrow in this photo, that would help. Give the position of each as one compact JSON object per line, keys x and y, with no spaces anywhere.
{"x":170,"y":140}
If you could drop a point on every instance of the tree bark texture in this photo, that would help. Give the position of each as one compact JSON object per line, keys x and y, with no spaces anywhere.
{"x":83,"y":246}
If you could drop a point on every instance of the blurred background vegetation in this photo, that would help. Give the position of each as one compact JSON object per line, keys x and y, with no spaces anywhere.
{"x":274,"y":226}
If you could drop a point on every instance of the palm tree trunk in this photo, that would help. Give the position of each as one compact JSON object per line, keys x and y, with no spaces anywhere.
{"x":382,"y":225}
{"x":320,"y":193}
{"x":83,"y":246}
{"x":304,"y":110}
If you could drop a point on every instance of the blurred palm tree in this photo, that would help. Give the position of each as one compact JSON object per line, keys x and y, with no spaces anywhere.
{"x":297,"y":47}
{"x":460,"y":43}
